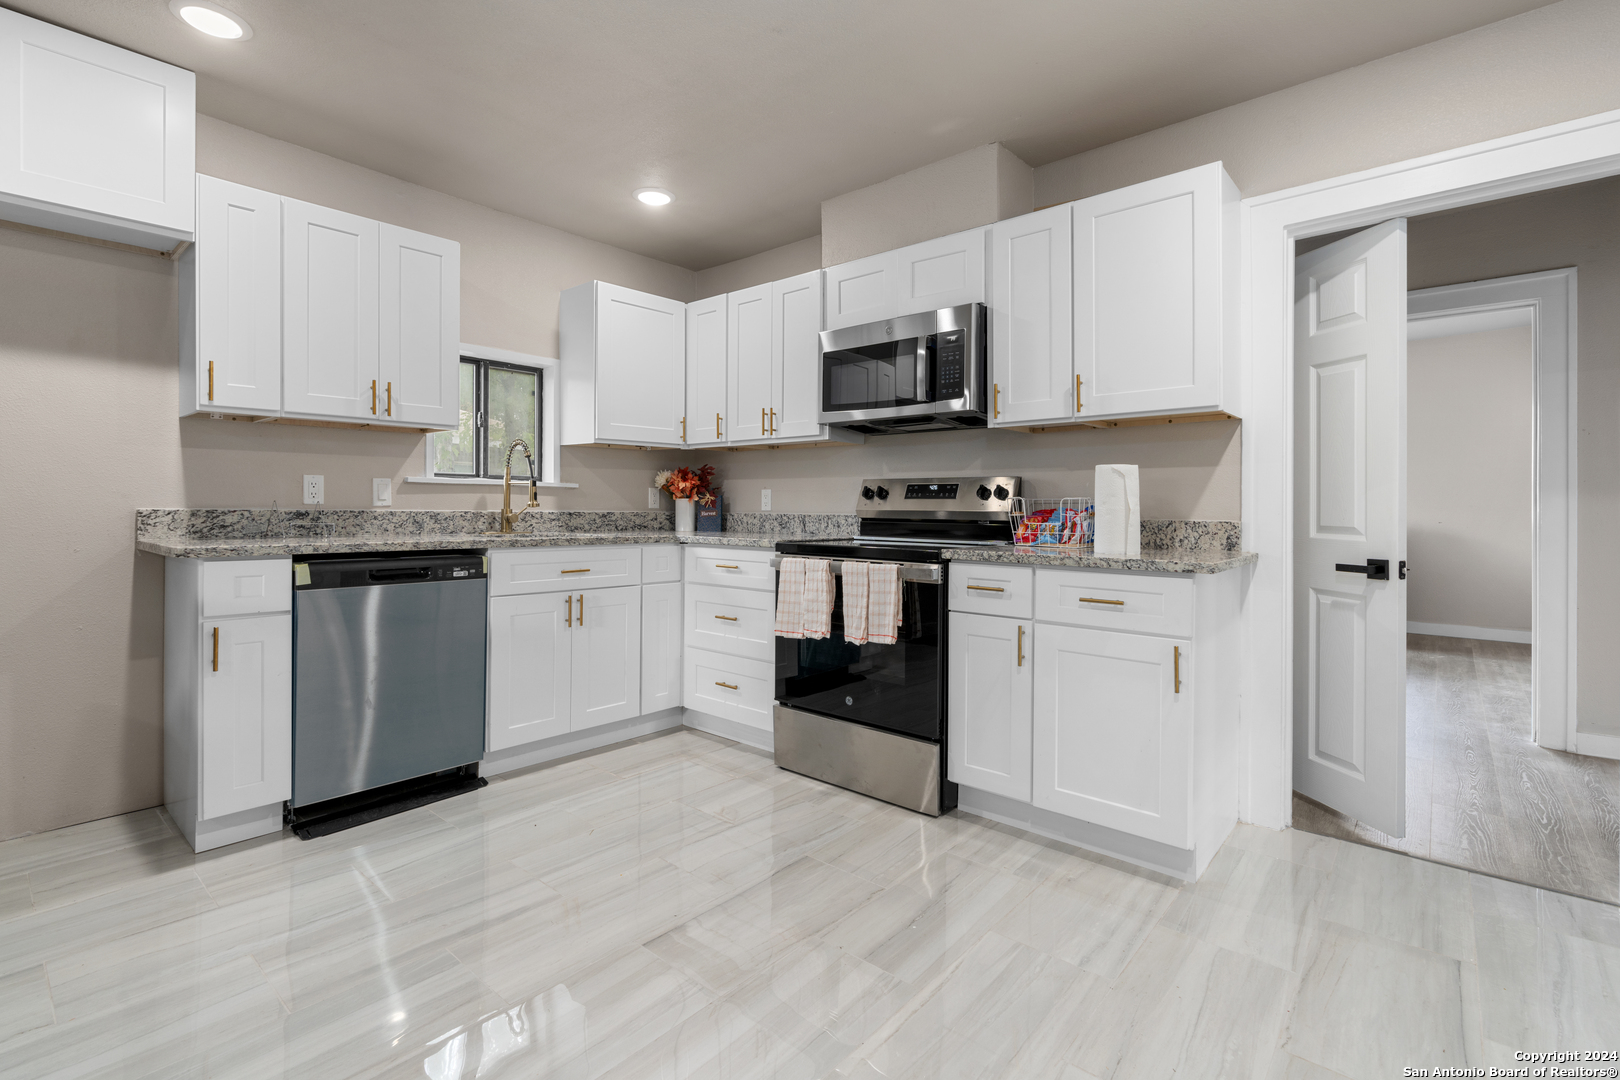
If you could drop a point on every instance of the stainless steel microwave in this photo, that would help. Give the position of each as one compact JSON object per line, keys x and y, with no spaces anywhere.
{"x":921,"y":372}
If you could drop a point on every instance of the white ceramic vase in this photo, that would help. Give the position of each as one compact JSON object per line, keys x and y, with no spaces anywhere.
{"x":685,"y":516}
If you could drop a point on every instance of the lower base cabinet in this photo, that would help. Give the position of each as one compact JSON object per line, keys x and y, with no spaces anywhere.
{"x":989,"y":696}
{"x":734,"y":688}
{"x":661,"y":646}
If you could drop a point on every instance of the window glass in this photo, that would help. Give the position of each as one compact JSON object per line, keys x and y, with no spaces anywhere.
{"x":455,"y":453}
{"x":512,"y":412}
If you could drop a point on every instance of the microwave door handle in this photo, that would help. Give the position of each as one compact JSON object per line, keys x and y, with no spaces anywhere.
{"x":925,"y":362}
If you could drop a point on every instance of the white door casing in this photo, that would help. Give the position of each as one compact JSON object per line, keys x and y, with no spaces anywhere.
{"x":1032,"y":317}
{"x":1349,"y":507}
{"x":990,"y":682}
{"x":329,"y":312}
{"x":419,"y":328}
{"x":706,"y":372}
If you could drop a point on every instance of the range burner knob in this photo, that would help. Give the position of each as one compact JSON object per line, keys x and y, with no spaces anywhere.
{"x":1001,"y":492}
{"x":866,"y":493}
{"x":883,"y":493}
{"x":983,"y":493}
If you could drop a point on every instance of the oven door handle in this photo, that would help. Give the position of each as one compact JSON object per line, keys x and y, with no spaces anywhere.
{"x":929,"y":573}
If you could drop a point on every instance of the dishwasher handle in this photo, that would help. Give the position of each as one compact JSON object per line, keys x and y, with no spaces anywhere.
{"x":401,"y":573}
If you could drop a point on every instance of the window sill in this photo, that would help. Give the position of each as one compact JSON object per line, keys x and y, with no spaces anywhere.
{"x":480,"y":481}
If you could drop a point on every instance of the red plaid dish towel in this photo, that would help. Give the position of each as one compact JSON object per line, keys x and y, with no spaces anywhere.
{"x":856,"y":590}
{"x":818,"y":598}
{"x":883,"y":603}
{"x":790,"y":598}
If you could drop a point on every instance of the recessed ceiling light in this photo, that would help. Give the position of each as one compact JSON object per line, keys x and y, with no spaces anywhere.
{"x":654,"y":196}
{"x":211,"y":19}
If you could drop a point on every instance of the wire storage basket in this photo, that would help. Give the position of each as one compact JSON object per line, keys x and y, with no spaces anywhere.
{"x":1038,"y":522}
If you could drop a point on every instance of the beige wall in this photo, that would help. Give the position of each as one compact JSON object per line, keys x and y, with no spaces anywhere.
{"x":1549,"y":65}
{"x":1574,"y":226}
{"x":1468,"y":496}
{"x":789,"y":260}
{"x":964,"y":191}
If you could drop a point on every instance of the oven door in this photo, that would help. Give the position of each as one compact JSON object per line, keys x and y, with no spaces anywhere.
{"x":895,"y":687}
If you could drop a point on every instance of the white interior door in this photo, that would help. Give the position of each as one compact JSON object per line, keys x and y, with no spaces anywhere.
{"x":1349,"y":508}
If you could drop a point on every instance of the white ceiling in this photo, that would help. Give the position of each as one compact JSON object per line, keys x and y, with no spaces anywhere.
{"x":750,"y":111}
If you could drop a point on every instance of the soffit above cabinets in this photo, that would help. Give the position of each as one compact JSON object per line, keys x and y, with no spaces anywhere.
{"x":750,"y":114}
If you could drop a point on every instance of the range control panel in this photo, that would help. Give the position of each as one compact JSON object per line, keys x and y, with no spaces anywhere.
{"x":932,"y":496}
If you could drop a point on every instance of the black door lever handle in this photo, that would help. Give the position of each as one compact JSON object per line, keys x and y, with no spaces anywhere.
{"x":1376,"y":569}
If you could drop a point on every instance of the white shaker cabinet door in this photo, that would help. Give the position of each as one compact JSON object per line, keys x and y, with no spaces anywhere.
{"x":530,"y":668}
{"x":866,"y":290}
{"x":1113,"y":730}
{"x":705,"y":372}
{"x":991,"y":663}
{"x":236,"y":290}
{"x":94,"y":139}
{"x":942,"y":273}
{"x":796,"y":354}
{"x":246,"y":713}
{"x":1150,"y":294}
{"x":329,"y":312}
{"x":1031,"y":318}
{"x":640,"y":367}
{"x":419,"y":328}
{"x":660,"y":647}
{"x":607,"y":656}
{"x":750,"y":375}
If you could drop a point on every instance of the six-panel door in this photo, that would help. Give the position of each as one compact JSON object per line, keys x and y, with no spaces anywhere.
{"x":706,"y":372}
{"x":607,"y":656}
{"x":640,"y":367}
{"x":991,"y":665}
{"x":237,"y":263}
{"x":530,"y":668}
{"x":1113,"y":730}
{"x":329,"y":312}
{"x":246,"y":713}
{"x":1031,"y":318}
{"x":419,"y":305}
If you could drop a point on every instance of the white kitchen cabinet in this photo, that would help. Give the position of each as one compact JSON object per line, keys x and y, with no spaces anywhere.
{"x":941,"y":273}
{"x":661,"y":646}
{"x":738,"y":622}
{"x":989,"y":720}
{"x":623,"y":366}
{"x":230,"y":303}
{"x":1031,"y":318}
{"x":734,"y":688}
{"x":94,"y":140}
{"x":706,"y":361}
{"x":796,"y":355}
{"x":1113,"y":730}
{"x":863,"y":291}
{"x":329,"y":276}
{"x":752,"y":389}
{"x":607,"y":656}
{"x":227,"y":697}
{"x":419,"y":328}
{"x":1155,"y":274}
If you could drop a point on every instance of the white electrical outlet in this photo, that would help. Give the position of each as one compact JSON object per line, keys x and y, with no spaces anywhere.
{"x":382,"y":491}
{"x":764,"y":498}
{"x":652,"y":498}
{"x":314,"y":490}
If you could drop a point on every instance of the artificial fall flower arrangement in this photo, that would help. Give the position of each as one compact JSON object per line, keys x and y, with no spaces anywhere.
{"x":683,"y":483}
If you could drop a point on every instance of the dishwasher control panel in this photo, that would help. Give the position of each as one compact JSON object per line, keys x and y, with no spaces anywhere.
{"x":368,"y":569}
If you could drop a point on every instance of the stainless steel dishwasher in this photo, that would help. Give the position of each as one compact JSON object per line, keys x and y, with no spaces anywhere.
{"x":388,"y":677}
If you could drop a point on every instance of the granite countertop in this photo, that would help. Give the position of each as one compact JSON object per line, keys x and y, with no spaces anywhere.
{"x":1190,"y":560}
{"x":241,"y":547}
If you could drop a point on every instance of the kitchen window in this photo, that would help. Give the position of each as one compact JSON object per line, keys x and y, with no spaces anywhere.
{"x":504,"y":396}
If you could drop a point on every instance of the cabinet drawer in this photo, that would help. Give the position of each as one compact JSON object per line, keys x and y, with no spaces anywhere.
{"x":732,"y":687}
{"x":660,"y":562}
{"x":992,"y":589}
{"x":1115,"y":601}
{"x":246,"y":587}
{"x":737,"y":622}
{"x":743,"y":568}
{"x":512,"y":572}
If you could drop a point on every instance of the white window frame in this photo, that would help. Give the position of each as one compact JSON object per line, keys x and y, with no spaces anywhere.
{"x":550,"y":438}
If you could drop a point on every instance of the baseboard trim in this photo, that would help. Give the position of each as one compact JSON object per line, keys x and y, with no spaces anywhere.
{"x":1603,"y":746}
{"x":758,"y":738}
{"x":1148,"y":854}
{"x":577,"y":742}
{"x":1477,"y":633}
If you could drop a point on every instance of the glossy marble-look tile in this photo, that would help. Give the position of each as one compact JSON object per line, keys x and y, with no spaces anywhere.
{"x":25,"y":1002}
{"x":1417,"y":903}
{"x":1288,"y":845}
{"x":16,"y":898}
{"x":1253,"y":904}
{"x":43,"y":936}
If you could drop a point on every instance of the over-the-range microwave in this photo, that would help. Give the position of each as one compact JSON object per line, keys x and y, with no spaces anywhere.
{"x":921,"y":372}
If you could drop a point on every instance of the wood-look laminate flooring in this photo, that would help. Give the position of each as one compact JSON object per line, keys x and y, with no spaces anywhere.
{"x":1480,"y":794}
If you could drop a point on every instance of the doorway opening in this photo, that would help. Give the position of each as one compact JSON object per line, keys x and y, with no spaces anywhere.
{"x":1486,"y":525}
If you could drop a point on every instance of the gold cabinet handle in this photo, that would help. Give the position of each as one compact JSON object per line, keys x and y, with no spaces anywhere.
{"x":763,"y":430}
{"x":1077,"y":405}
{"x":216,"y":648}
{"x":995,"y":408}
{"x":390,"y":399}
{"x":1095,"y":600}
{"x":728,"y":566}
{"x":717,"y":425}
{"x":1178,"y":669}
{"x":210,"y":380}
{"x":586,"y":570}
{"x":987,"y":588}
{"x":773,"y":421}
{"x":727,"y":618}
{"x":727,"y":685}
{"x":582,"y":609}
{"x":569,"y":600}
{"x":373,"y":397}
{"x":683,"y":429}
{"x":1020,"y":644}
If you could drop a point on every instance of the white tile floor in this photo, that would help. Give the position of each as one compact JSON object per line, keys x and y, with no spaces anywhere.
{"x":678,"y":907}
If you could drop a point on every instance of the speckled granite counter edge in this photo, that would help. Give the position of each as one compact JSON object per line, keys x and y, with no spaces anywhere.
{"x":1162,"y":560}
{"x":189,"y":548}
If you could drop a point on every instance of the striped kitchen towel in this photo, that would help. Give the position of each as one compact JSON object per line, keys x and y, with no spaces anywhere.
{"x":818,"y":598}
{"x":855,"y":593}
{"x":790,"y":598}
{"x":883,"y":603}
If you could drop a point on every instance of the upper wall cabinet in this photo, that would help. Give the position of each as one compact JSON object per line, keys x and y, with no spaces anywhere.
{"x":1155,"y":271}
{"x":796,"y":355}
{"x":1031,"y":318}
{"x":706,"y":403}
{"x":294,"y":310}
{"x":94,"y":140}
{"x":623,"y":366}
{"x":933,"y":274}
{"x":753,"y":389}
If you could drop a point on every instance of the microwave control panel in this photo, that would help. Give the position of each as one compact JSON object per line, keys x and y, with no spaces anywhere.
{"x":950,"y":364}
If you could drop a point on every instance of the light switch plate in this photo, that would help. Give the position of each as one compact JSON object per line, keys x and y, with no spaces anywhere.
{"x":764,"y":498}
{"x":314,"y":490}
{"x":382,"y":491}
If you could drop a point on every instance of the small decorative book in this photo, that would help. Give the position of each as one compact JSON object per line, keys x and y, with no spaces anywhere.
{"x":708,"y":517}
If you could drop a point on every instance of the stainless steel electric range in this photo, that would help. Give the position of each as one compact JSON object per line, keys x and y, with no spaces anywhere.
{"x":871,"y":717}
